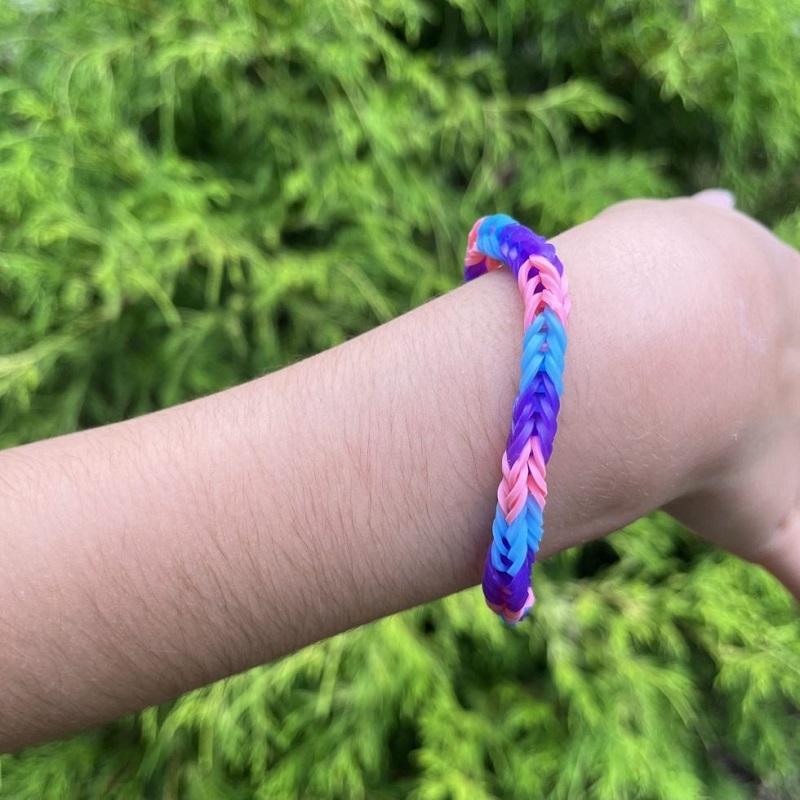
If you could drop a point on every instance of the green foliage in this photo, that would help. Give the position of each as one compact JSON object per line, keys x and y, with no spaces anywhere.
{"x":193,"y":193}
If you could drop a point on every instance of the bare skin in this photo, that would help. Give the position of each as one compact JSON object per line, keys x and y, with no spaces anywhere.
{"x":149,"y":557}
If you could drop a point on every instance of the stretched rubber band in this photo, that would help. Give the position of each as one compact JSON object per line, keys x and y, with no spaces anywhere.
{"x":518,"y":527}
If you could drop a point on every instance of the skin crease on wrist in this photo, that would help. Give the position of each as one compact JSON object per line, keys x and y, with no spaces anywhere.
{"x":152,"y":556}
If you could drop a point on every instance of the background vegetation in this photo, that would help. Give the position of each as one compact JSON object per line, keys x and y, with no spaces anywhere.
{"x":198,"y":191}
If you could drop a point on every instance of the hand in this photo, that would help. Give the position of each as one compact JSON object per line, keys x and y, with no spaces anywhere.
{"x":750,"y":500}
{"x":713,"y":306}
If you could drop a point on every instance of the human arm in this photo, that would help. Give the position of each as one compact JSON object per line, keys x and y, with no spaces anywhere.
{"x":149,"y":557}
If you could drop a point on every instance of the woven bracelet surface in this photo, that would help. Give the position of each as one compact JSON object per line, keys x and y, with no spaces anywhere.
{"x":518,"y":526}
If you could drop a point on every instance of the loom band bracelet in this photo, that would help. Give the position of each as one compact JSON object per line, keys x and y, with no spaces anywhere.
{"x":518,"y":524}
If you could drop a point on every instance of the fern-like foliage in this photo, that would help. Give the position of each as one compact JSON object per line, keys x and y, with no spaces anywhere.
{"x":196,"y":192}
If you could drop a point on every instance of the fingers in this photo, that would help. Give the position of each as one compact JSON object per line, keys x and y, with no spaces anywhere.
{"x":719,"y":198}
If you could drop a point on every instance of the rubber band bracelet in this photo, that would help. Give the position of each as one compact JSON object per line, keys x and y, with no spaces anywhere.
{"x":518,"y":522}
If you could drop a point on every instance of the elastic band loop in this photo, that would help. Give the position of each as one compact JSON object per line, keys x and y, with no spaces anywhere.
{"x":518,"y":526}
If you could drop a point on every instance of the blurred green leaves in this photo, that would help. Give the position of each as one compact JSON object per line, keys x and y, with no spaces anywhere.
{"x":193,"y":193}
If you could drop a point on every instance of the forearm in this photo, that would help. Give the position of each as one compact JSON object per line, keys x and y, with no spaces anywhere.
{"x":152,"y":556}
